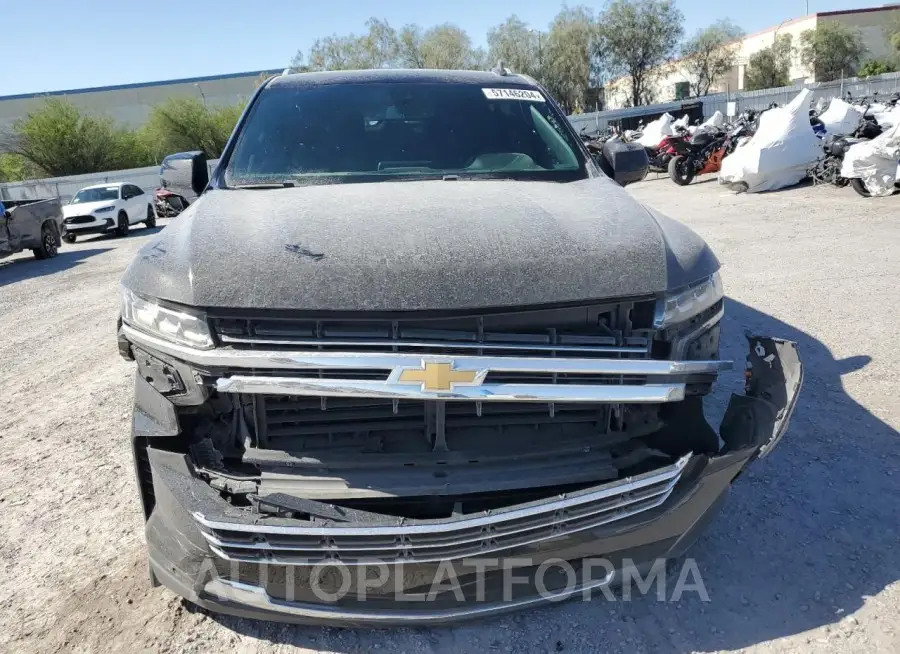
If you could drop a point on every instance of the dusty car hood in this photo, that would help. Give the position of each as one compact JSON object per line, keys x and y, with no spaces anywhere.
{"x":393,"y":246}
{"x":85,"y":208}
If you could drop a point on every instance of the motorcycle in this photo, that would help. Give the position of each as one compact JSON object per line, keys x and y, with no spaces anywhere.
{"x":827,"y":170}
{"x":660,"y":156}
{"x":169,"y":204}
{"x":703,"y":153}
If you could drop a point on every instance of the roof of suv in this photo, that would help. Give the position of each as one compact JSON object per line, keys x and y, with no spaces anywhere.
{"x":425,"y":76}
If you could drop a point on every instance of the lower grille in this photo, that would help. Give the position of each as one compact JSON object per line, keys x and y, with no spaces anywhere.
{"x":286,"y":543}
{"x":79,"y":220}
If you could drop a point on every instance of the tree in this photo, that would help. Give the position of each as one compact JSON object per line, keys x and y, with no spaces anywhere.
{"x":518,"y":47}
{"x":770,"y":67}
{"x":182,"y":124}
{"x":58,"y":139}
{"x":892,"y":34}
{"x":831,"y":51}
{"x":568,"y":56}
{"x":709,"y":54}
{"x":377,"y":48}
{"x":443,"y":46}
{"x":14,"y":168}
{"x":876,"y":67}
{"x":636,"y":38}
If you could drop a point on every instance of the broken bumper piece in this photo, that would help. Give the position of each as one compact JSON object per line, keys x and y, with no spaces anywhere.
{"x":357,"y":568}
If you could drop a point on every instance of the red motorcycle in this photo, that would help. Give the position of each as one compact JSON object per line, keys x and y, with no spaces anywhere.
{"x":169,"y":204}
{"x":660,"y":156}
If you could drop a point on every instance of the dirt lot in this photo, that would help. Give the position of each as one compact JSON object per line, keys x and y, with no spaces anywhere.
{"x":805,"y":557}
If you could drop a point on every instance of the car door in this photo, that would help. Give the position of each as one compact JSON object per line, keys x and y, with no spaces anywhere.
{"x":138,"y":203}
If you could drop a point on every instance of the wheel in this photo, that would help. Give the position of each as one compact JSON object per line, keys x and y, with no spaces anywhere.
{"x":48,"y":248}
{"x":860,"y":187}
{"x":151,"y":217}
{"x":122,"y":226}
{"x":681,"y":170}
{"x":69,"y":237}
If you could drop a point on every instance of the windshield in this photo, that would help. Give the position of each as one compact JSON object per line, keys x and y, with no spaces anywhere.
{"x":96,"y":194}
{"x":375,"y":131}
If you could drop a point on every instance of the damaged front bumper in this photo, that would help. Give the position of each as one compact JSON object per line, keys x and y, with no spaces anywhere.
{"x":353,"y":567}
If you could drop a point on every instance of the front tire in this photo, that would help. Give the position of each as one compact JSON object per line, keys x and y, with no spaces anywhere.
{"x":151,"y":217}
{"x":122,"y":227}
{"x":860,"y":187}
{"x":48,"y":248}
{"x":681,"y":170}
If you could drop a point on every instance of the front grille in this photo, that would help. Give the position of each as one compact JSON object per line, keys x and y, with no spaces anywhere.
{"x":428,"y":541}
{"x":618,"y":330}
{"x":79,"y":220}
{"x":368,"y":424}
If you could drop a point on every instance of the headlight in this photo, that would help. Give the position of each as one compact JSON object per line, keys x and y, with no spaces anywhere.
{"x":104,"y":209}
{"x":687,"y":303}
{"x":170,"y":324}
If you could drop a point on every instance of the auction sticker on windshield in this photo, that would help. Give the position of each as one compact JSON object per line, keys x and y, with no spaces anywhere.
{"x":513,"y":94}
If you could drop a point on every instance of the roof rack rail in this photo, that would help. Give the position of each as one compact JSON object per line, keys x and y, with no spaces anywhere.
{"x":500,"y":69}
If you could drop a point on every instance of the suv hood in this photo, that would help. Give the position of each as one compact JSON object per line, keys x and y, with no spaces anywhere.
{"x":429,"y":245}
{"x":85,"y":208}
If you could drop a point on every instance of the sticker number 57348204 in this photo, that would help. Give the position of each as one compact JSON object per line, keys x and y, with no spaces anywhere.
{"x":513,"y":94}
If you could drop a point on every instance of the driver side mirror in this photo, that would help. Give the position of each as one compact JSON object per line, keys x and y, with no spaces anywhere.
{"x":185,"y":173}
{"x":624,"y":162}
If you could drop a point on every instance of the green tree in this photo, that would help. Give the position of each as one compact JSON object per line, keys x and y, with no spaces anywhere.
{"x":876,"y":67}
{"x":892,"y":34}
{"x":636,"y":38}
{"x":710,"y":54}
{"x":831,"y":51}
{"x":182,"y":124}
{"x":15,"y":168}
{"x":443,"y":46}
{"x":571,"y":45}
{"x":770,"y":67}
{"x":377,"y":48}
{"x":517,"y":46}
{"x":58,"y":139}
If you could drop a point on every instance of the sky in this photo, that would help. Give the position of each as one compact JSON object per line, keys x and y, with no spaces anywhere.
{"x":51,"y":45}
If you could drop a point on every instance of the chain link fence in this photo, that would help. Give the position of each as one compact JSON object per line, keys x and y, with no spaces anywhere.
{"x":872,"y":87}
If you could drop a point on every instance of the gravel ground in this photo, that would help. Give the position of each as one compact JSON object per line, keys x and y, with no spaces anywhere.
{"x":805,"y":556}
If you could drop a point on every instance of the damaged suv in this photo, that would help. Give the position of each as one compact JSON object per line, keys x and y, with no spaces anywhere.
{"x":408,"y":324}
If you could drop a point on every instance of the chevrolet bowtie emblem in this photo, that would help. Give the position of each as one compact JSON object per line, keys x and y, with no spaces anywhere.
{"x":435,"y":376}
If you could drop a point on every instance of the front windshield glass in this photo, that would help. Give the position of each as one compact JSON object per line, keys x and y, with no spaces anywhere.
{"x":96,"y":195}
{"x":393,"y":131}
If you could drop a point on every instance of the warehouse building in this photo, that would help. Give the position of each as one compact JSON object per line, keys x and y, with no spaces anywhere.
{"x":672,"y":82}
{"x":130,"y":104}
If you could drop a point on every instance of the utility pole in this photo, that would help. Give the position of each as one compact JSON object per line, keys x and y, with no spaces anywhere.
{"x":540,"y":39}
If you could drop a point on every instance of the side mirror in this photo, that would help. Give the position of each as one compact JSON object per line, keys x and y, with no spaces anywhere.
{"x":185,"y":173}
{"x":624,"y":162}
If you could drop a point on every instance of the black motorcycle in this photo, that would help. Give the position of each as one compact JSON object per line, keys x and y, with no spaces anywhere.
{"x":827,"y":170}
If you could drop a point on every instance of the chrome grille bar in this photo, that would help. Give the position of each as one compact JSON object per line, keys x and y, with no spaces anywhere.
{"x":283,"y":545}
{"x":642,"y":394}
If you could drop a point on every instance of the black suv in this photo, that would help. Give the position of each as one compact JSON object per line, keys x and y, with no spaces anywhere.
{"x":411,"y":339}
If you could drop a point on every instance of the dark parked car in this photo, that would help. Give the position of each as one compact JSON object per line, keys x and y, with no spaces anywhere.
{"x":31,"y":225}
{"x":409,"y":323}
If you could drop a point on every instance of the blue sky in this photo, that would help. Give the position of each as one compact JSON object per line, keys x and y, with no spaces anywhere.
{"x":48,"y":45}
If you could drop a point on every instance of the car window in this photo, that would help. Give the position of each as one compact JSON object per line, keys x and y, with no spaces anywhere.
{"x":373,"y":131}
{"x":135,"y":190}
{"x":97,"y":194}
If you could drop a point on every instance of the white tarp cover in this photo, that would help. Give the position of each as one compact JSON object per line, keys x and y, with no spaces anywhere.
{"x":875,"y":162}
{"x":780,"y":152}
{"x":682,"y":122}
{"x":888,"y":118}
{"x":841,"y":118}
{"x":716,"y":120}
{"x":656,"y":130}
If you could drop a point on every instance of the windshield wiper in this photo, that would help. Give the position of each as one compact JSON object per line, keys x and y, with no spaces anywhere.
{"x":268,"y":185}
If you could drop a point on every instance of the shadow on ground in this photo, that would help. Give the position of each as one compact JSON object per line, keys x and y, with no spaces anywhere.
{"x":807,"y":534}
{"x":16,"y":270}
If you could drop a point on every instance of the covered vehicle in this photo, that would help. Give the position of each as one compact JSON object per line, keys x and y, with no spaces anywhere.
{"x":779,"y":154}
{"x":411,"y":336}
{"x":872,"y":166}
{"x":841,"y":118}
{"x":30,"y":225}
